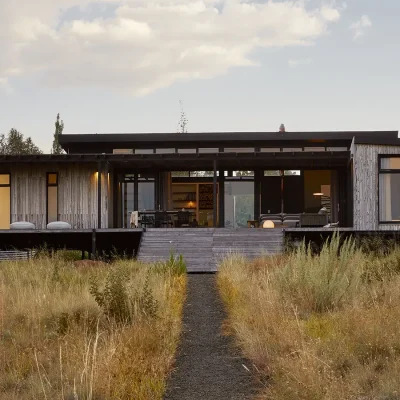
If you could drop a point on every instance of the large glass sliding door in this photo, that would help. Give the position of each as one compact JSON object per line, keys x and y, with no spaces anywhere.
{"x":137,"y":194}
{"x":239,"y":203}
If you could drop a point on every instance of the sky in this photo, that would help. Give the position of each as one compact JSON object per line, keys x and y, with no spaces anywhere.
{"x":124,"y":66}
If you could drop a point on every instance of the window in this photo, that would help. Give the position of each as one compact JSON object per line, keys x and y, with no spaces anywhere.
{"x":5,"y":201}
{"x":389,"y":190}
{"x":208,"y":150}
{"x":144,"y":151}
{"x":52,"y":197}
{"x":187,"y":151}
{"x":201,"y":174}
{"x":286,"y":172}
{"x":239,"y":203}
{"x":122,"y":151}
{"x":165,"y":151}
{"x":239,"y":150}
{"x":270,"y":150}
{"x":180,"y":174}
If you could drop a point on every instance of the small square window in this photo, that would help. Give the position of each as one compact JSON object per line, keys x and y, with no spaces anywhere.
{"x":52,"y":179}
{"x":390,"y":163}
{"x":4,"y":179}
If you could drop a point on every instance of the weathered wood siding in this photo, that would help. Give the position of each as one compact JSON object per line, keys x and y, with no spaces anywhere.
{"x":28,"y":194}
{"x":366,"y":186}
{"x":77,"y":194}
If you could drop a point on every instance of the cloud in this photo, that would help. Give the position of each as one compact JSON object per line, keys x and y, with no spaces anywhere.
{"x":296,"y":63}
{"x":140,"y":46}
{"x":359,"y":27}
{"x":5,"y":86}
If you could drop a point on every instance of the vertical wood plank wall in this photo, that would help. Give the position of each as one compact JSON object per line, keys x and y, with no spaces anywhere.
{"x":366,"y":186}
{"x":28,"y":194}
{"x":77,"y":194}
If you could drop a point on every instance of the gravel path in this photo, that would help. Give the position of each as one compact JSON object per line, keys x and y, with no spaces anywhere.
{"x":208,"y":366}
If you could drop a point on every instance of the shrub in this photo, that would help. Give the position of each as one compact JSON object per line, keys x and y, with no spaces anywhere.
{"x":319,"y":326}
{"x":57,"y":342}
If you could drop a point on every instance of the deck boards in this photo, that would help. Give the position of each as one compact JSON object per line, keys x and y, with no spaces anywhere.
{"x":202,"y":248}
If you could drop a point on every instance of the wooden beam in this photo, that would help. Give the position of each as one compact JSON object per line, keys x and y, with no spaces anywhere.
{"x":99,"y":195}
{"x":257,"y":193}
{"x":215,"y":194}
{"x":221,"y":198}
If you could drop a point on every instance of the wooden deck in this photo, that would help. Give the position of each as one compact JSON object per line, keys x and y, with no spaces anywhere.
{"x":95,"y":241}
{"x":203,"y":248}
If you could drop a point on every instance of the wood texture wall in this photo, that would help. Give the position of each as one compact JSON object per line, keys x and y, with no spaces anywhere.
{"x":77,"y":194}
{"x":366,"y":186}
{"x":28,"y":194}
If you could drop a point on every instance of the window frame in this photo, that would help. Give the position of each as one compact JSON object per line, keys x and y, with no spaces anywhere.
{"x":47,"y":193}
{"x":8,"y":186}
{"x":385,"y":171}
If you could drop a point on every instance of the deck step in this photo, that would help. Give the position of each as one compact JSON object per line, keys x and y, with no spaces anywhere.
{"x":203,"y":248}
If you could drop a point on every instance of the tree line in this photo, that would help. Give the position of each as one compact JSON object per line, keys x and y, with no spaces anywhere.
{"x":15,"y":143}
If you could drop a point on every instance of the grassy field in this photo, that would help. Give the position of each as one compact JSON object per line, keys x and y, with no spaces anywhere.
{"x":73,"y":331}
{"x":319,"y":327}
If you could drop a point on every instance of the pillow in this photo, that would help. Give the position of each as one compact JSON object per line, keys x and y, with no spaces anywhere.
{"x":58,"y":225}
{"x":22,"y":225}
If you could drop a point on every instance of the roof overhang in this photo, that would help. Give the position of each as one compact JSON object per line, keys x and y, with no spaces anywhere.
{"x":105,"y":143}
{"x":171,"y":162}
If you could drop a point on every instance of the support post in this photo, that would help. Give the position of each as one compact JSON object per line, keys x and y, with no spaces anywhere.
{"x":99,"y":195}
{"x":257,"y":194}
{"x":215,"y":195}
{"x":136,"y":193}
{"x":107,"y":195}
{"x":94,"y":250}
{"x":221,"y":198}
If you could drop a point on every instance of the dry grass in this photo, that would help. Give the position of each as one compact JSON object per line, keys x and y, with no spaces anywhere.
{"x":57,"y":343}
{"x":319,"y":327}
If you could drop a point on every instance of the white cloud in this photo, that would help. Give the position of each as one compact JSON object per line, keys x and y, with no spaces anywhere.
{"x":143,"y":45}
{"x":359,"y":27}
{"x":296,"y":63}
{"x":5,"y":86}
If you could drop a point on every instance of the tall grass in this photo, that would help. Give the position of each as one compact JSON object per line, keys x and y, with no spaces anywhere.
{"x":319,"y":326}
{"x":57,"y":341}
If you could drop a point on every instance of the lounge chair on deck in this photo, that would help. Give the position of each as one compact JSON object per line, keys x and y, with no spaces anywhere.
{"x":310,"y":220}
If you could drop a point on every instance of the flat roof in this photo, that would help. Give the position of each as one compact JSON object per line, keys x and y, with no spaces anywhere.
{"x":105,"y":143}
{"x":176,"y":161}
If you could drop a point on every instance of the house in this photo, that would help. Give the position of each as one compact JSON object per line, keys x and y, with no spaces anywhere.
{"x":223,"y":179}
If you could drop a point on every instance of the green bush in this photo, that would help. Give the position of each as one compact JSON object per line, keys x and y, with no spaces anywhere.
{"x":114,"y":299}
{"x":323,"y":283}
{"x":120,"y":302}
{"x":176,"y":265}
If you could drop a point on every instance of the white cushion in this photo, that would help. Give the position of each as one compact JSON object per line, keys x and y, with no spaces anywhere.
{"x":59,"y":225}
{"x":22,"y":225}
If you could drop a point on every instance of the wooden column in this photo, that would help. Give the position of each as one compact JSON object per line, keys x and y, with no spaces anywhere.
{"x":94,"y":245}
{"x":99,"y":195}
{"x":257,"y":193}
{"x":215,"y":195}
{"x":136,"y":193}
{"x":221,"y":198}
{"x":106,"y":194}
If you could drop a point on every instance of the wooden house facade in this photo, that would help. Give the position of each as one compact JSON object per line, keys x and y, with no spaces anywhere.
{"x":225,"y":179}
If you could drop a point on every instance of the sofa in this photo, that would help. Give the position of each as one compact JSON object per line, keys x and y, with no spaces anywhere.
{"x":283,"y":219}
{"x":296,"y":220}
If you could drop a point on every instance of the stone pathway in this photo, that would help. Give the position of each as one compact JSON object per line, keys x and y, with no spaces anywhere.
{"x":207,"y":366}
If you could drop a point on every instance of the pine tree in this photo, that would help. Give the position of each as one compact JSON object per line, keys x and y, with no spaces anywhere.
{"x":56,"y":149}
{"x":15,"y":143}
{"x":183,"y":121}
